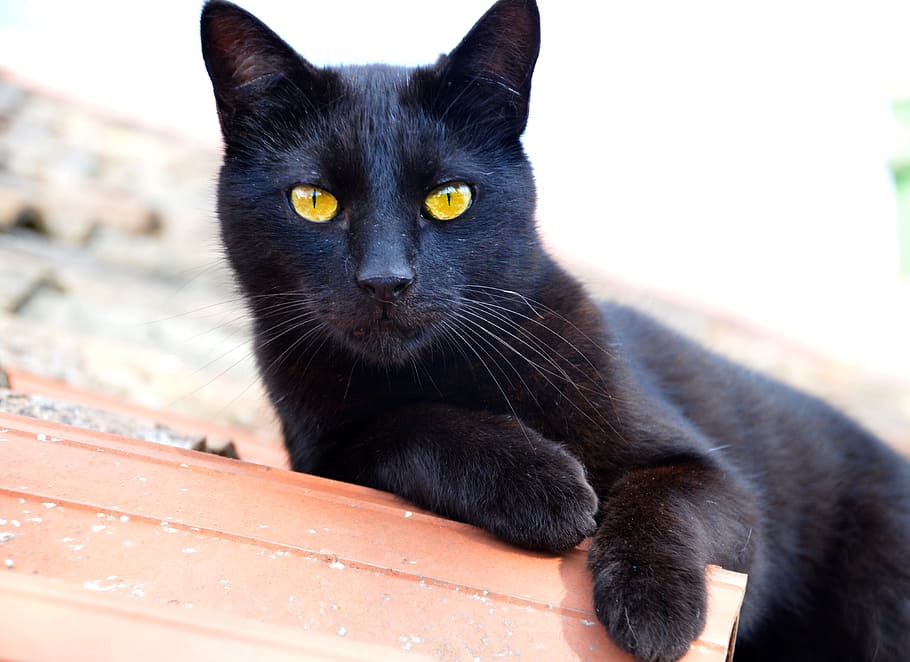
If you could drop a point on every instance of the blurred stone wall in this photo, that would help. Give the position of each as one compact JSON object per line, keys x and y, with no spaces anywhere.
{"x":111,"y":275}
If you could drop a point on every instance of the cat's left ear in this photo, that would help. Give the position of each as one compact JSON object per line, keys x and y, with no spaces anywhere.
{"x":490,"y":70}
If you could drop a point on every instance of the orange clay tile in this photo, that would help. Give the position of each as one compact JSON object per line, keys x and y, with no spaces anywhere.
{"x":118,"y":549}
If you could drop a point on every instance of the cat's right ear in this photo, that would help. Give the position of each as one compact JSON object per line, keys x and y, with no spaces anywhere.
{"x":244,"y":57}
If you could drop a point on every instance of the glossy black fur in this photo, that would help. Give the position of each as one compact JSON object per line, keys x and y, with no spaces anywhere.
{"x":491,"y":389}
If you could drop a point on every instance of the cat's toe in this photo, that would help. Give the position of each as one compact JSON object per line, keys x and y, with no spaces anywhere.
{"x":570,"y":519}
{"x":551,"y":507}
{"x":653,"y":615}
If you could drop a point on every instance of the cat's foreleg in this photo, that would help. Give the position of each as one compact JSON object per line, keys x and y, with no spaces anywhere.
{"x":485,"y":469}
{"x":659,"y":529}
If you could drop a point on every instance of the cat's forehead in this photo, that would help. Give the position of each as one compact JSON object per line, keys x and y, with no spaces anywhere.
{"x":374,"y":78}
{"x":380,"y":117}
{"x":377,"y":87}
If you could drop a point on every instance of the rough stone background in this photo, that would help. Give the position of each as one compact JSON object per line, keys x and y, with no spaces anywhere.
{"x":111,"y":277}
{"x":49,"y":409}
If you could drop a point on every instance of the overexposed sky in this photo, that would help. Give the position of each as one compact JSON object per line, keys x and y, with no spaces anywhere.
{"x":731,"y":152}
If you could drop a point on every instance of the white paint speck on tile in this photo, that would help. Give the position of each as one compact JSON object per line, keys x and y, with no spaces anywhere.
{"x":96,"y":585}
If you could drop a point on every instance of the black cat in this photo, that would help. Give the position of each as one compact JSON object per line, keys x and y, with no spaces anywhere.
{"x":415,"y":337}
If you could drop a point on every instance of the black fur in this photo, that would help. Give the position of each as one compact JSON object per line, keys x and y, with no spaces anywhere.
{"x":493,"y":390}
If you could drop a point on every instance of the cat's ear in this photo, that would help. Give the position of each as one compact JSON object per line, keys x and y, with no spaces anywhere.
{"x":490,"y":70}
{"x":243,"y":56}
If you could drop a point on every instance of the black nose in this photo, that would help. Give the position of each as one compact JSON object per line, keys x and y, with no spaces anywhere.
{"x":387,"y":288}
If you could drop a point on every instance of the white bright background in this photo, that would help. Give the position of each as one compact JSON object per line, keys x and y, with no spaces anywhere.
{"x":729,"y":152}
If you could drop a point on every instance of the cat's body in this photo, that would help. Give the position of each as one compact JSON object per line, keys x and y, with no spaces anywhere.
{"x":454,"y":363}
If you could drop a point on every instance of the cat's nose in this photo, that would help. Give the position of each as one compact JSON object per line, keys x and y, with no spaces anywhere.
{"x":386,"y":288}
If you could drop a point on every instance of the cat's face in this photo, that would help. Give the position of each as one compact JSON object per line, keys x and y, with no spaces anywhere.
{"x":369,"y":204}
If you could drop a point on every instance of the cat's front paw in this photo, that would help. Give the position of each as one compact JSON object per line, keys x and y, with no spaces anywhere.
{"x":655,"y":613}
{"x":546,"y":504}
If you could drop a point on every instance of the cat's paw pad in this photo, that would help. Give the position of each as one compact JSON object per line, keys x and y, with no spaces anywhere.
{"x":546,"y":505}
{"x":655,"y":615}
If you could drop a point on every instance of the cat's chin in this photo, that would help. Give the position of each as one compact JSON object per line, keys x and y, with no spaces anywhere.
{"x":385,"y":344}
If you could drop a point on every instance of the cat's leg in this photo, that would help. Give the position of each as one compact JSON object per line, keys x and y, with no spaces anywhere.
{"x":484,"y":469}
{"x":660,"y":527}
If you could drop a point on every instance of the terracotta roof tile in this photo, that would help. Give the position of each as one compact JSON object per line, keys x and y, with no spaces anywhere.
{"x":119,"y":546}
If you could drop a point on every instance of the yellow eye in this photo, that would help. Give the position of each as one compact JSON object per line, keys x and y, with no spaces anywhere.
{"x":313,"y":203}
{"x":448,"y":201}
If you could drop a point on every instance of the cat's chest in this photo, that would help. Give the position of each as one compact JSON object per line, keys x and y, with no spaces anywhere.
{"x":555,"y":402}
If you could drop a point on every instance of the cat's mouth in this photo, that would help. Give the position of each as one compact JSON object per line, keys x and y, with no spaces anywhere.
{"x":385,"y":340}
{"x":385,"y":326}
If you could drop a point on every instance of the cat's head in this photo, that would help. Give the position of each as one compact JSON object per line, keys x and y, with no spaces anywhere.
{"x":371,"y":204}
